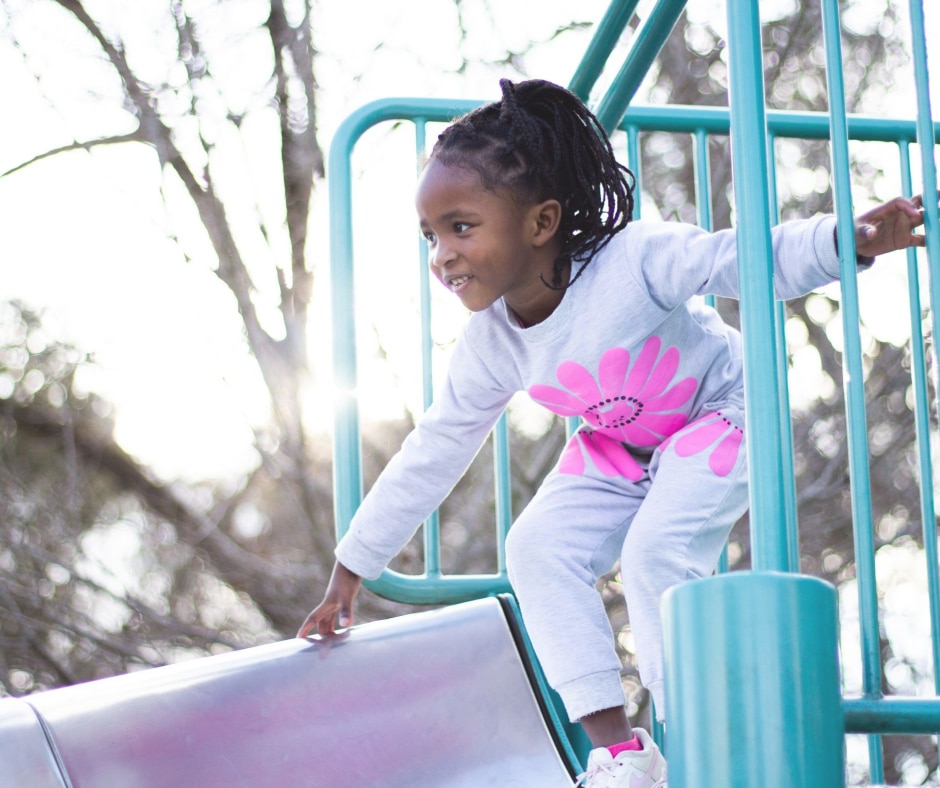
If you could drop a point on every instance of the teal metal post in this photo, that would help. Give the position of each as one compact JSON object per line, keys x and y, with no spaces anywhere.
{"x":755,"y":265}
{"x":752,"y":683}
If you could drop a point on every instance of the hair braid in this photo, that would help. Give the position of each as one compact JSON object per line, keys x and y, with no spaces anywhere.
{"x":540,"y":142}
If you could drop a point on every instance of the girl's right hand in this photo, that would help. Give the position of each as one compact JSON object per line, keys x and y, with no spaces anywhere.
{"x":337,"y":604}
{"x":890,"y":227}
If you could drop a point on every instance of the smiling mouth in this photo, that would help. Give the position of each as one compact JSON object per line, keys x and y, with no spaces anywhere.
{"x":455,"y":283}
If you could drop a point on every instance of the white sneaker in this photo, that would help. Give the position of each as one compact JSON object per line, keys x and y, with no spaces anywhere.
{"x":644,"y":768}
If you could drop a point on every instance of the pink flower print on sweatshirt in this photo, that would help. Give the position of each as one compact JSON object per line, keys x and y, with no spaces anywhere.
{"x":623,"y":406}
{"x":630,"y":405}
{"x":609,"y":457}
{"x":713,"y":431}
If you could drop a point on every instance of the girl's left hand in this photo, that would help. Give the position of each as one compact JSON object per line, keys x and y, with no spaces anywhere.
{"x":889,"y":227}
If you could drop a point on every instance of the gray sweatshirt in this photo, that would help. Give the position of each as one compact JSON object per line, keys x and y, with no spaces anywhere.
{"x":630,"y":350}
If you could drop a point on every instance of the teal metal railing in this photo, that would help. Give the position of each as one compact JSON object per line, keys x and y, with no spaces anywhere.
{"x":432,"y":586}
{"x":699,"y":122}
{"x":754,"y":130}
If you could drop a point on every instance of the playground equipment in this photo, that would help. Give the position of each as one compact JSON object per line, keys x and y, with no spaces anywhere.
{"x":268,"y":716}
{"x":754,"y":695}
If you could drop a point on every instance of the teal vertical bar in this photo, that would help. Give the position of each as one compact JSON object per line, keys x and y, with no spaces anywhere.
{"x":347,"y":479}
{"x":424,"y":284}
{"x":854,"y":379}
{"x":788,"y":481}
{"x":605,"y":38}
{"x":755,"y":264}
{"x":432,"y":526}
{"x":926,"y":137}
{"x":703,"y":191}
{"x":635,"y":163}
{"x":571,"y":426}
{"x":783,"y":369}
{"x":502,"y":473}
{"x":922,"y":422}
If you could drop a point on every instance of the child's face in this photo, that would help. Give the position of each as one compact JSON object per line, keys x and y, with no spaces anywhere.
{"x":484,"y":246}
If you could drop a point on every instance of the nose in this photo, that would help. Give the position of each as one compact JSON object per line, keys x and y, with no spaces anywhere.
{"x":440,"y":255}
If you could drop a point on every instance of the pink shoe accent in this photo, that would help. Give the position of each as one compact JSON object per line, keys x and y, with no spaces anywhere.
{"x":633,"y":744}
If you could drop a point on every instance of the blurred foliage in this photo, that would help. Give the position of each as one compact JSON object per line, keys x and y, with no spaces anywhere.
{"x":94,"y":580}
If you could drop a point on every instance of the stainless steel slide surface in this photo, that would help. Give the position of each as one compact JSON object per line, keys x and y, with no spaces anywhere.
{"x":25,"y":756}
{"x":431,"y":699}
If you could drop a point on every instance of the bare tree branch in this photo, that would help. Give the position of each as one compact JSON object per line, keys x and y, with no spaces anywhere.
{"x":88,"y":145}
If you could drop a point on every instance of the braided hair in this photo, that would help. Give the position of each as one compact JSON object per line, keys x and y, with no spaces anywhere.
{"x":540,"y":142}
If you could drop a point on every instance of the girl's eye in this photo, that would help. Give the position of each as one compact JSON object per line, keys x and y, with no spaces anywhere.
{"x":428,"y":236}
{"x":461,"y":227}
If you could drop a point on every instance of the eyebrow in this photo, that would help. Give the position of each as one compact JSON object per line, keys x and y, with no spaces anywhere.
{"x":462,"y":213}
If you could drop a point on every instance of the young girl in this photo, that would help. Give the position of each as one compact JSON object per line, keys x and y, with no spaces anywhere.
{"x":528,"y":218}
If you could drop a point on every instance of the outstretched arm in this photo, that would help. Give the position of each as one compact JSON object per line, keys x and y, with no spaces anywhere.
{"x":889,"y":227}
{"x":337,"y":604}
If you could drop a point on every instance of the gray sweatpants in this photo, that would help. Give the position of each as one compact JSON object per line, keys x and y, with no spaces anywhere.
{"x":666,"y":527}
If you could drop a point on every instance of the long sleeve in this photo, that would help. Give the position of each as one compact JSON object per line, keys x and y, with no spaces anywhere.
{"x":677,"y":261}
{"x":430,"y":462}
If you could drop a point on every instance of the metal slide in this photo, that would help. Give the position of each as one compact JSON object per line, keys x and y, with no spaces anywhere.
{"x":442,"y":698}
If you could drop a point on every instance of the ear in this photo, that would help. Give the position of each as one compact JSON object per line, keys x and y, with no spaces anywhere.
{"x":544,"y":218}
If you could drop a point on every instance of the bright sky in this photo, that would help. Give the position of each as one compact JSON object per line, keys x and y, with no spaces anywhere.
{"x":85,"y":236}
